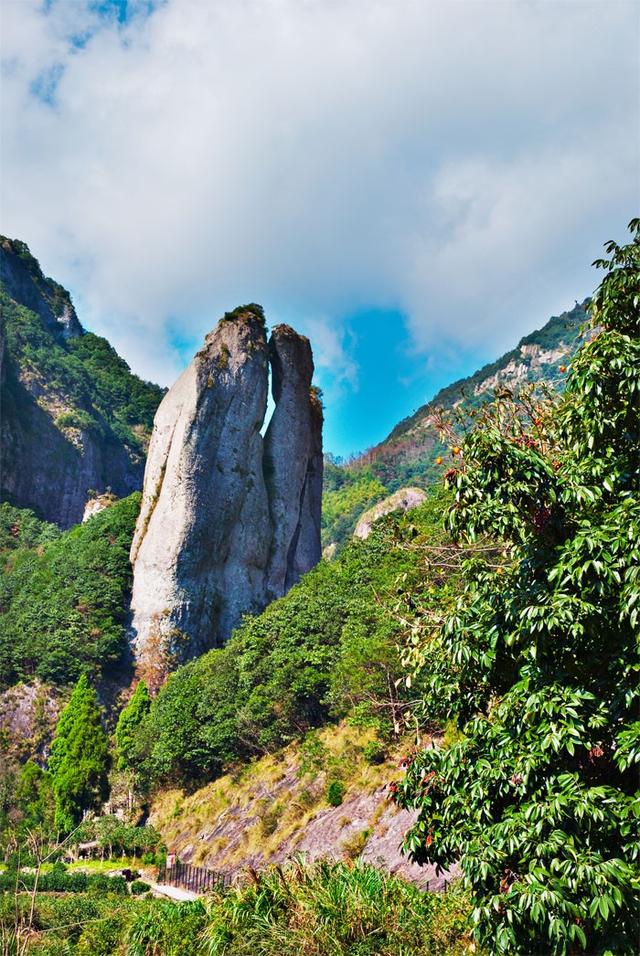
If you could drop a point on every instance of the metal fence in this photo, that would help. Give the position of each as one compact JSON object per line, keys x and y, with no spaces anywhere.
{"x":443,"y":888}
{"x":195,"y":878}
{"x":200,"y":880}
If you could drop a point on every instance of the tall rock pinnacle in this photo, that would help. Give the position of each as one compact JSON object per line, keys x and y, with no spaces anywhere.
{"x":293,"y":462}
{"x":229,"y":521}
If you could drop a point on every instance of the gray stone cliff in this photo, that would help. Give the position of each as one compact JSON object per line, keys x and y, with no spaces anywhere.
{"x":229,"y":520}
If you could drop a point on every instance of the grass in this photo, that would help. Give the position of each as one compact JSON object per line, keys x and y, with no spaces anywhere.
{"x":332,"y":909}
{"x":268,"y":804}
{"x":327,"y":909}
{"x":104,"y":866}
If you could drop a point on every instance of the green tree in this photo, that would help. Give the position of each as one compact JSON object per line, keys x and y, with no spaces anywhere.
{"x":79,"y":757}
{"x":539,"y":798}
{"x":131,"y":716}
{"x":34,"y":797}
{"x":62,"y":605}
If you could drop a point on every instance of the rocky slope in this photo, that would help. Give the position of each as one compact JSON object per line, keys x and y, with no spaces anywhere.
{"x":277,"y":808}
{"x":72,"y":416}
{"x":402,"y":500}
{"x":229,"y":521}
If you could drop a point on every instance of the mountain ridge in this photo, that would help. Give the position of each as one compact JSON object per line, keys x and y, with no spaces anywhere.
{"x":74,"y":419}
{"x":408,"y":455}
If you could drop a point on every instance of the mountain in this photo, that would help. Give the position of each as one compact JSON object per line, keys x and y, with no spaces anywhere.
{"x":407,"y":455}
{"x":74,"y":420}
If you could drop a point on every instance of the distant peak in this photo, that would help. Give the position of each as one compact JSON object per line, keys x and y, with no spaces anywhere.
{"x":26,"y":283}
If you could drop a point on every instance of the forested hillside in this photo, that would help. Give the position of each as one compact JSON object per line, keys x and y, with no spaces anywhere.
{"x":408,"y":455}
{"x":74,"y":420}
{"x":63,"y":595}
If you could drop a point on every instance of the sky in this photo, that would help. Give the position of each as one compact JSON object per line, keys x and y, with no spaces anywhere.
{"x":413,"y":184}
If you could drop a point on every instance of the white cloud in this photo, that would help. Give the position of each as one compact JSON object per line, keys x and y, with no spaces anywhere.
{"x":460,"y":161}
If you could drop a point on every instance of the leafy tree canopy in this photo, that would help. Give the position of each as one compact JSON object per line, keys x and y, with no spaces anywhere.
{"x":539,"y":798}
{"x":131,"y":716}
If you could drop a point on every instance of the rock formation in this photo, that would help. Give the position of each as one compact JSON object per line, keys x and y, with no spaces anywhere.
{"x":229,"y":520}
{"x":401,"y":500}
{"x":293,"y":462}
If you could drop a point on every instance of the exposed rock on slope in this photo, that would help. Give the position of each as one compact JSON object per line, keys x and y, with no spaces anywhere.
{"x":402,"y":500}
{"x":72,"y":416}
{"x":275,"y":811}
{"x":228,"y":521}
{"x":28,"y":716}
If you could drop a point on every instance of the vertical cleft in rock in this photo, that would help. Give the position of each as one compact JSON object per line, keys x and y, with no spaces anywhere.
{"x":228,"y":521}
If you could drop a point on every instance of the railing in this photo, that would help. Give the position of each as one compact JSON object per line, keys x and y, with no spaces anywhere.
{"x":200,"y":880}
{"x":194,"y":878}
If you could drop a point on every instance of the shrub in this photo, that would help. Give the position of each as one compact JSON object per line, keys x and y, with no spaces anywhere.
{"x":353,"y":845}
{"x":138,"y":887}
{"x":335,"y":793}
{"x":101,"y":883}
{"x":77,"y":418}
{"x":270,"y":818}
{"x":57,"y":881}
{"x":374,"y":752}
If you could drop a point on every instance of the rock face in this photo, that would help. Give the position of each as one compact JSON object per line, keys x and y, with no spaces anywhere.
{"x":57,"y":438}
{"x":229,"y":520}
{"x":293,"y":462}
{"x":221,"y":826}
{"x":28,"y":716}
{"x":402,"y":500}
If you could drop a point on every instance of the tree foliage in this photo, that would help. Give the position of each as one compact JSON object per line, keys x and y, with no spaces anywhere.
{"x":79,"y":757}
{"x":34,"y":798}
{"x":538,"y":799}
{"x":62,"y":604}
{"x":131,"y":716}
{"x":21,"y":528}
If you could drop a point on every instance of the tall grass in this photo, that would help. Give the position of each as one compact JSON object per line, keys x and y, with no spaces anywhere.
{"x":331,"y":909}
{"x":323,"y":909}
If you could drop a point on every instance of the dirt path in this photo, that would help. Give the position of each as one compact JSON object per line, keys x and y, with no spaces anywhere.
{"x":172,"y":892}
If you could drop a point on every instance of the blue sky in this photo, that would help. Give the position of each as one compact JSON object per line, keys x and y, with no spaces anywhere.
{"x":394,"y":380}
{"x":413,"y":185}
